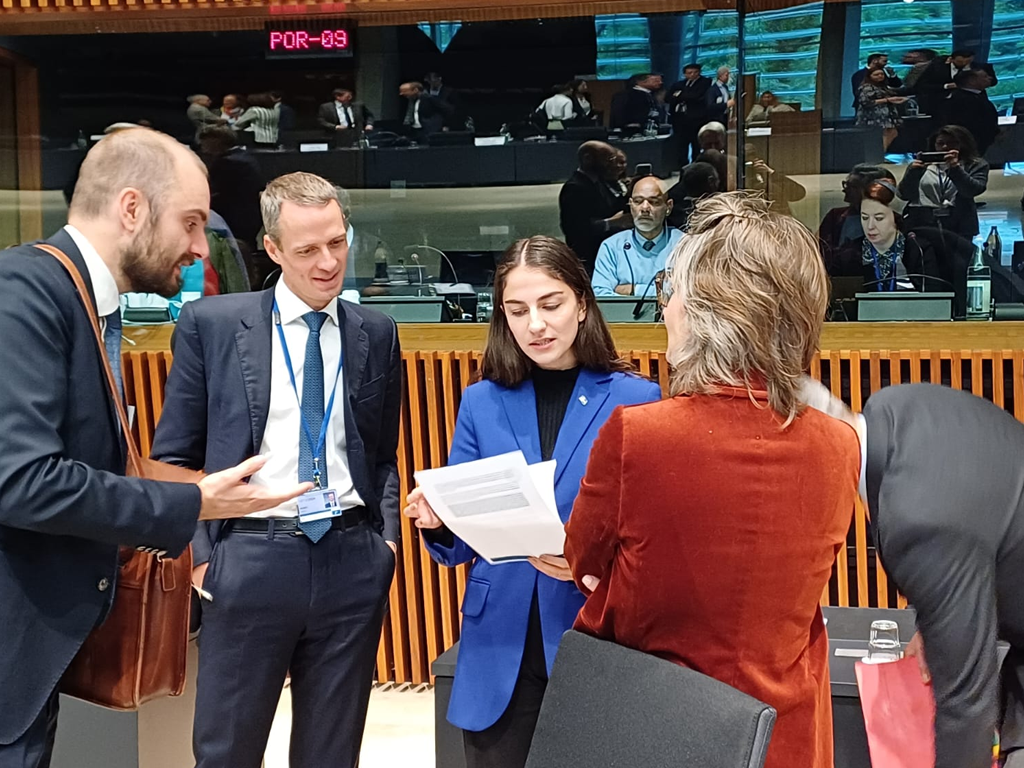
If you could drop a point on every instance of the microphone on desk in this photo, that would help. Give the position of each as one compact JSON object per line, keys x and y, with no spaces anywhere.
{"x":638,"y":308}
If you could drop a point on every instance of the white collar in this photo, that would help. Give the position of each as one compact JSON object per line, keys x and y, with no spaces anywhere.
{"x":293,"y":308}
{"x":108,"y":298}
{"x":640,"y":88}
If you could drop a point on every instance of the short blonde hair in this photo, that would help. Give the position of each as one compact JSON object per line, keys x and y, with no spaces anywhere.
{"x":299,"y":188}
{"x":755,"y":292}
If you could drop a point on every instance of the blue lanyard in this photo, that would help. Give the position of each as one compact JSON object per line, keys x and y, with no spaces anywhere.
{"x":318,"y":446}
{"x":878,"y":271}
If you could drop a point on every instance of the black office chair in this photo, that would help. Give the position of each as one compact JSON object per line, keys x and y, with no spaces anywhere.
{"x":608,"y":706}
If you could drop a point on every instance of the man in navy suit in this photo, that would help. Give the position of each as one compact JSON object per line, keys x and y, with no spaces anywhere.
{"x":313,"y":384}
{"x":65,"y":506}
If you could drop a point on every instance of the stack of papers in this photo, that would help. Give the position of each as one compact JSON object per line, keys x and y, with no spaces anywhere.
{"x":501,"y":506}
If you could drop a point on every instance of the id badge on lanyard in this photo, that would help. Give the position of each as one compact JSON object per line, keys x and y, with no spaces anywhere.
{"x":320,"y":503}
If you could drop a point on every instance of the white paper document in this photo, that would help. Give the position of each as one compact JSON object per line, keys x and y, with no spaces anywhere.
{"x":501,"y":506}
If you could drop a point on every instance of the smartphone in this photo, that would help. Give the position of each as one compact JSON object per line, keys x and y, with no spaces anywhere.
{"x":931,"y":157}
{"x":643,"y":169}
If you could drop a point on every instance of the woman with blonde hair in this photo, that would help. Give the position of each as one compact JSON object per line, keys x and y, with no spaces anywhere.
{"x":747,"y":495}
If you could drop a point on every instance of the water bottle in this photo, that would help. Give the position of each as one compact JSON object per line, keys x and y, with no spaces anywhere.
{"x":364,"y":142}
{"x":979,"y":288}
{"x":651,"y":129}
{"x":380,"y":266}
{"x":912,"y":108}
{"x":81,"y":141}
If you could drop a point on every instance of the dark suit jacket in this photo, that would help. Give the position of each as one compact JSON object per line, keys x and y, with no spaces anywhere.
{"x":944,"y":478}
{"x":433,"y":113}
{"x":638,"y":107}
{"x":931,"y":86}
{"x":974,"y":112}
{"x":286,"y":117}
{"x":217,"y":398}
{"x":688,"y":103}
{"x":455,"y":114}
{"x":583,"y":204}
{"x":235,"y":185}
{"x":717,"y":105}
{"x":64,"y":503}
{"x":327,"y":117}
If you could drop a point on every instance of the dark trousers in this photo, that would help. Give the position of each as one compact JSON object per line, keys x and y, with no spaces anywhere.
{"x":35,"y":747}
{"x":686,"y":136}
{"x":506,"y":744}
{"x":281,"y":604}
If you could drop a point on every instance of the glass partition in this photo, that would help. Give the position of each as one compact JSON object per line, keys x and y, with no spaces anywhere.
{"x":442,"y":176}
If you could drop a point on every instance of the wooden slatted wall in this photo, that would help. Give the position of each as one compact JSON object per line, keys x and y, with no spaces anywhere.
{"x":423,"y":619}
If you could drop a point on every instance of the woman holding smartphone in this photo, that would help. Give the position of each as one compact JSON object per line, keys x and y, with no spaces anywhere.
{"x":550,"y":378}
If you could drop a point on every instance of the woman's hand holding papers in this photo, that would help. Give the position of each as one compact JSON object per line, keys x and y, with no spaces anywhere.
{"x":554,"y":566}
{"x":418,"y":510}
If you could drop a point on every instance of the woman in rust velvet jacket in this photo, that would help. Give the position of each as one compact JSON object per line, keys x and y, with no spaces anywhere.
{"x":707,"y":524}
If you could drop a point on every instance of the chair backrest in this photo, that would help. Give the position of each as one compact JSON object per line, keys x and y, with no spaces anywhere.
{"x":607,"y":705}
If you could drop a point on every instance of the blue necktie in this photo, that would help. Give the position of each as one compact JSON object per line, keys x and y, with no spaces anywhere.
{"x":112,"y":342}
{"x":313,"y":413}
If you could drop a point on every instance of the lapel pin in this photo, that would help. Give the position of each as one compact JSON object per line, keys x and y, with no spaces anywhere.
{"x":583,"y":399}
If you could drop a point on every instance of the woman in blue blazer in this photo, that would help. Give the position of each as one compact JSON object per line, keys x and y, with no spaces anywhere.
{"x":550,"y":378}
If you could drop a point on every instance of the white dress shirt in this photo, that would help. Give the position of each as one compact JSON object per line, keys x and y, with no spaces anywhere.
{"x":559,"y":107}
{"x":344,"y":110}
{"x":104,"y":287}
{"x":281,"y":437}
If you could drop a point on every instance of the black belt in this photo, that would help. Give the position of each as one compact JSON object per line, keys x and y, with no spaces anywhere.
{"x":350,"y":518}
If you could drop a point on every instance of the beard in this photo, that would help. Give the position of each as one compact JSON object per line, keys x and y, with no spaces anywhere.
{"x":646,"y":225}
{"x":149,"y":268}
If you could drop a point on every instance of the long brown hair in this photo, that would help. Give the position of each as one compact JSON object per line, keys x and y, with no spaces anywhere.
{"x":504,"y":362}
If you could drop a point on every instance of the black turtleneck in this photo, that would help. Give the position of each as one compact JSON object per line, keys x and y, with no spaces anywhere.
{"x":553,"y":390}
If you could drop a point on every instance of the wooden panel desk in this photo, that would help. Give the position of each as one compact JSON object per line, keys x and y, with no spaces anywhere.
{"x":441,"y":360}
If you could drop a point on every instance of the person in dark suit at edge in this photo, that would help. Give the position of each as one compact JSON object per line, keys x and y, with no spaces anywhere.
{"x":688,"y":110}
{"x":641,"y":103}
{"x":425,"y":115}
{"x":344,"y":118}
{"x":953,"y":544}
{"x":314,"y":384}
{"x":65,"y":505}
{"x":590,"y":204}
{"x":455,"y":119}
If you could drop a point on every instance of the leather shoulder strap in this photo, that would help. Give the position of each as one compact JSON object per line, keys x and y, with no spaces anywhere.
{"x":134,"y":460}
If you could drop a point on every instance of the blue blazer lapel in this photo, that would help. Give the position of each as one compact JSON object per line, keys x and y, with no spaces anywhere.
{"x":253,"y":342}
{"x":355,"y":349}
{"x":520,"y":406}
{"x":587,"y":399}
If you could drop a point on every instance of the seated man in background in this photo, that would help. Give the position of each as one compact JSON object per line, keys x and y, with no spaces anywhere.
{"x":698,"y":180}
{"x":628,"y":261}
{"x":767,"y":105}
{"x":712,"y":138}
{"x":590,"y":205}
